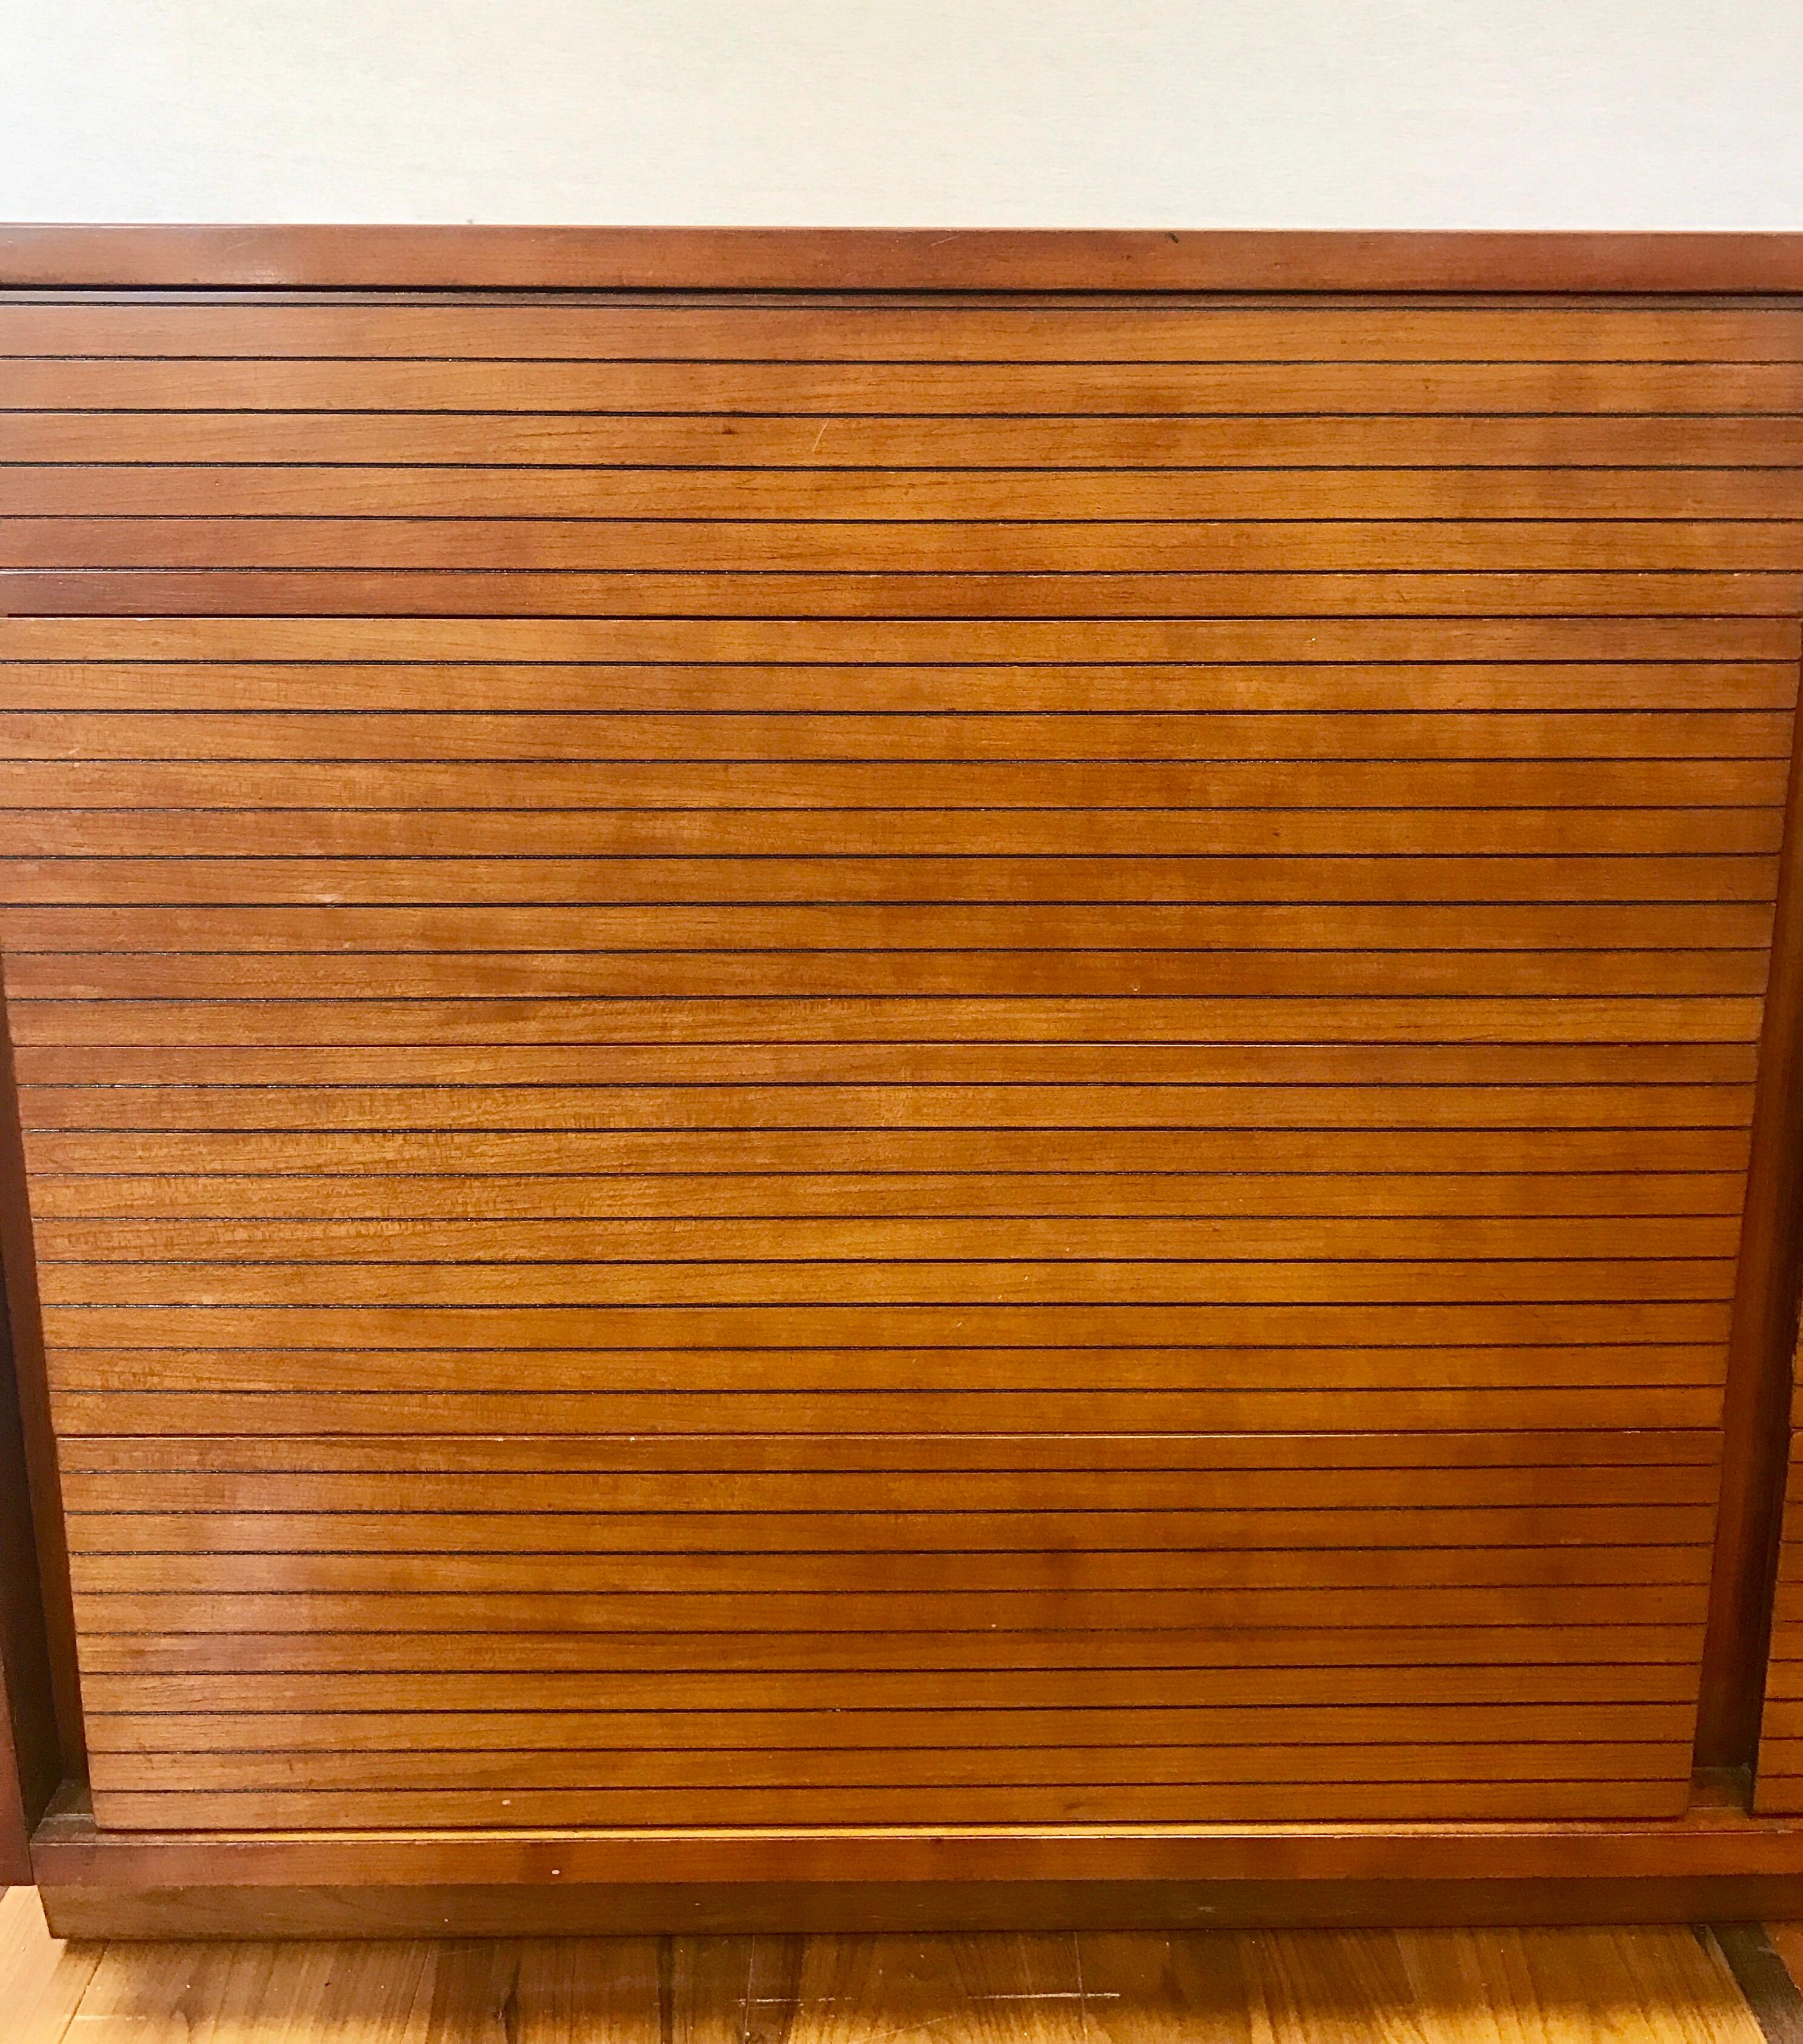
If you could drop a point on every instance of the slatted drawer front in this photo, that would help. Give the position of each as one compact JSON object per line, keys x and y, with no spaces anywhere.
{"x":866,"y":1062}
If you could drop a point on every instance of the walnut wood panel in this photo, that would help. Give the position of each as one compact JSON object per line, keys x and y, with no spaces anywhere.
{"x":923,"y":548}
{"x":889,"y":259}
{"x":381,"y":1412}
{"x":712,"y":1196}
{"x":1344,"y":782}
{"x":73,"y":879}
{"x":524,"y":689}
{"x":700,"y":388}
{"x":470,"y":492}
{"x":650,"y":440}
{"x":1684,"y":1018}
{"x":1063,"y":994}
{"x":1192,"y":734}
{"x":1737,"y":602}
{"x":763,"y":637}
{"x":623,"y":327}
{"x":1189,"y":833}
{"x":1343,"y":1660}
{"x":877,"y":975}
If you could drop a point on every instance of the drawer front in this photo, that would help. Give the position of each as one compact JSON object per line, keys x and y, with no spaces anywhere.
{"x":862,"y":1062}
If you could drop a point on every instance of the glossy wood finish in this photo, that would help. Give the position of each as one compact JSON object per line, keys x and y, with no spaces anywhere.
{"x":591,"y":443}
{"x":706,"y":1294}
{"x":933,"y":330}
{"x":1019,"y":1011}
{"x":788,"y":259}
{"x":347,"y":1914}
{"x":1715,"y":1864}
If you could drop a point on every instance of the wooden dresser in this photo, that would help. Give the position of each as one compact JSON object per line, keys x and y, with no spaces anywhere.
{"x":898,"y":1079}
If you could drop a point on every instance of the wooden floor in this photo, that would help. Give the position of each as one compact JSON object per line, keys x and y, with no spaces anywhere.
{"x":1420,"y":1987}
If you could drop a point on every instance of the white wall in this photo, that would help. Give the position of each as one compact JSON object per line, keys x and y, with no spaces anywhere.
{"x":1574,"y":113}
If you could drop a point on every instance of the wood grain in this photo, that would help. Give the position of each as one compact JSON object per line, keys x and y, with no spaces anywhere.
{"x":759,"y":1018}
{"x":548,"y":442}
{"x":1011,"y":736}
{"x":391,"y":259}
{"x":1058,"y":995}
{"x":954,"y":384}
{"x":985,"y":638}
{"x":42,"y":1980}
{"x":172,"y":882}
{"x":279,"y":1810}
{"x":897,"y":327}
{"x":322,"y":488}
{"x":1222,"y":550}
{"x":649,"y":440}
{"x":523,"y":689}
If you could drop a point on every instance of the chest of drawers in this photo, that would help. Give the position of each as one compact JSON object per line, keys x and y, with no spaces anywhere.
{"x":850,"y":1093}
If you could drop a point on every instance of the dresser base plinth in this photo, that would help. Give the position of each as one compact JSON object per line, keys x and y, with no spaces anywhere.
{"x":1714,"y":1865}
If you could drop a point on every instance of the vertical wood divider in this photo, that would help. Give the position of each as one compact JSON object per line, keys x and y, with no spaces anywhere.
{"x":31,"y":1764}
{"x":32,"y":1391}
{"x":1756,"y":1395}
